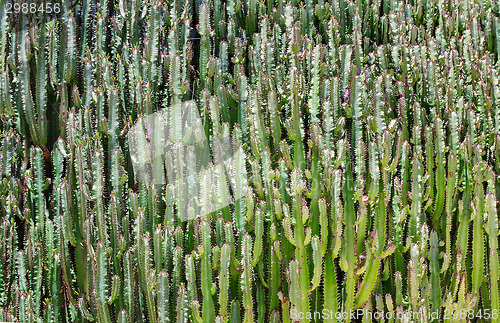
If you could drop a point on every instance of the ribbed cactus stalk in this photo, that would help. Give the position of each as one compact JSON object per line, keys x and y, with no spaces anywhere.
{"x":102,"y":284}
{"x":349,"y":219}
{"x":39,"y":183}
{"x":434,"y":273}
{"x":208,"y":312}
{"x":163,"y":297}
{"x":370,"y":275}
{"x":490,"y":206}
{"x":247,"y":278}
{"x":224,"y":280}
{"x":478,"y":243}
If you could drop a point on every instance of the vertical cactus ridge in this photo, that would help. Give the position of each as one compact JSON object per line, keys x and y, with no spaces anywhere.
{"x":349,"y":240}
{"x":493,"y":249}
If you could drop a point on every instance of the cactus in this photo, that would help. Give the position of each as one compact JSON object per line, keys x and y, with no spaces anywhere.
{"x":493,"y":247}
{"x":370,"y":132}
{"x":206,"y":272}
{"x":349,"y":219}
{"x":246,"y":278}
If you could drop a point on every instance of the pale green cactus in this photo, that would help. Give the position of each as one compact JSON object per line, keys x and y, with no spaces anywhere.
{"x":102,"y":284}
{"x":490,"y":208}
{"x":247,"y":278}
{"x":349,"y":219}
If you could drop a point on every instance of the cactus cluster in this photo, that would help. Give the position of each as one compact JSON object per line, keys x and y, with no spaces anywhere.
{"x":371,"y":131}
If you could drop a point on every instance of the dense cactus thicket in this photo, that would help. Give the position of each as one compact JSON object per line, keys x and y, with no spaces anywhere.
{"x":372,"y":136}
